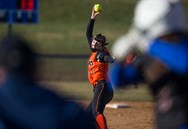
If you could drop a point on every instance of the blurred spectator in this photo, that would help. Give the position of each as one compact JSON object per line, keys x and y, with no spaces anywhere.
{"x":24,"y":104}
{"x":130,"y":57}
{"x":159,"y":32}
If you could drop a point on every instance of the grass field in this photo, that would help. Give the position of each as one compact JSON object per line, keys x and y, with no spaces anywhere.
{"x":84,"y":91}
{"x":61,"y":30}
{"x":139,"y":114}
{"x":62,"y":24}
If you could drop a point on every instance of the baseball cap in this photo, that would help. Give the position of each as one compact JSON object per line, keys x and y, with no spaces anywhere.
{"x":101,"y":38}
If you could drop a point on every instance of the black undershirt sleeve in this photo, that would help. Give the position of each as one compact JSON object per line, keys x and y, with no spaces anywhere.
{"x":103,"y":56}
{"x":89,"y":32}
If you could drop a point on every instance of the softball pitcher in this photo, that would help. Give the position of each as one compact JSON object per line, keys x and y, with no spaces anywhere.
{"x":97,"y":73}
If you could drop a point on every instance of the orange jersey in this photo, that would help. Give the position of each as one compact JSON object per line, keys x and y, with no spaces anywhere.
{"x":96,"y":70}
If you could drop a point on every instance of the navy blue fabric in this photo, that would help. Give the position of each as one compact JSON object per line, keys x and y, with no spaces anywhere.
{"x":174,"y":55}
{"x":26,"y":105}
{"x":184,"y":127}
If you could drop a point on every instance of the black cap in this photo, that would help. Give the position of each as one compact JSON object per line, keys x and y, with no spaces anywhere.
{"x":101,"y":38}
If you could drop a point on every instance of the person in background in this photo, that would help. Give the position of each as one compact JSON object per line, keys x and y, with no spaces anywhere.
{"x":159,"y":32}
{"x":97,"y":73}
{"x":25,"y":104}
{"x":131,"y":56}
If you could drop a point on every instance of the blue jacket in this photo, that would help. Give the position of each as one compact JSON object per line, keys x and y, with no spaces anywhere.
{"x":26,"y":105}
{"x":173,"y":55}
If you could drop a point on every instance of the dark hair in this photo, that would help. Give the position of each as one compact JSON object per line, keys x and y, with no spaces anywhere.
{"x":16,"y":55}
{"x":101,"y":38}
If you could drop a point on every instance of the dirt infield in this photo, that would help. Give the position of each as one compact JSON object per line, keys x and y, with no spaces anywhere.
{"x":138,"y":116}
